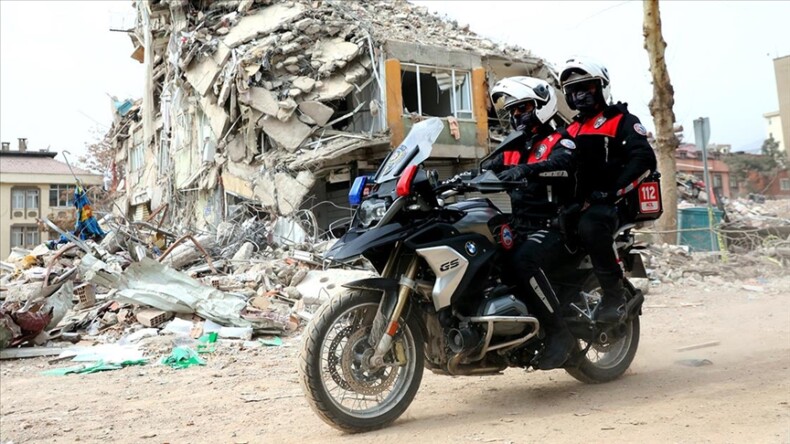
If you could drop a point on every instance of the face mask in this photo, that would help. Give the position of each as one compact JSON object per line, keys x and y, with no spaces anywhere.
{"x":526,"y":121}
{"x":584,"y":101}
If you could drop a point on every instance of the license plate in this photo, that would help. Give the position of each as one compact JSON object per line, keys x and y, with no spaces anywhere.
{"x":649,"y":198}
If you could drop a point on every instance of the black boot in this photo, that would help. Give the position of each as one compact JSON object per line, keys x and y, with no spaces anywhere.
{"x":559,"y":346}
{"x":560,"y":342}
{"x":612,"y":307}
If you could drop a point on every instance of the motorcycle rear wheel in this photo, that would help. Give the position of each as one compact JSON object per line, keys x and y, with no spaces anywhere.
{"x":337,"y":383}
{"x":606,"y":362}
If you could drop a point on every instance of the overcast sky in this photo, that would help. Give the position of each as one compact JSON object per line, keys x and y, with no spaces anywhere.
{"x":59,"y":60}
{"x":719,"y":54}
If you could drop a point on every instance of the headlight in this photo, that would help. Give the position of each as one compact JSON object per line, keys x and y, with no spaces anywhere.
{"x":371,"y":210}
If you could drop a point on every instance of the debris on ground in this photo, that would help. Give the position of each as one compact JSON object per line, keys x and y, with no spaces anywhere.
{"x":139,"y":290}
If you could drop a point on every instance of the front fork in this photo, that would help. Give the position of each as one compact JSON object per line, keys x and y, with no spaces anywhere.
{"x":407,"y":284}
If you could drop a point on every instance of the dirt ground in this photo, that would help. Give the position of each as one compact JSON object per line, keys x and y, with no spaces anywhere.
{"x":742,"y":394}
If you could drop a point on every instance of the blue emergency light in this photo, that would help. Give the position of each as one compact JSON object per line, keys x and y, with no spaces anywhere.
{"x":357,"y":189}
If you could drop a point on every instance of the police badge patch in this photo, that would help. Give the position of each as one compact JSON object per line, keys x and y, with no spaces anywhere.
{"x":568,"y":144}
{"x":540,"y":152}
{"x":599,"y":122}
{"x":640,"y":129}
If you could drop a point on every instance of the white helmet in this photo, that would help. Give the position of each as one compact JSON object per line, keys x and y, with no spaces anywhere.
{"x":580,"y":69}
{"x":513,"y":91}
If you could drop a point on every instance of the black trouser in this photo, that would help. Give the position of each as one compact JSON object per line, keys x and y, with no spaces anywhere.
{"x":596,"y":232}
{"x":536,"y":251}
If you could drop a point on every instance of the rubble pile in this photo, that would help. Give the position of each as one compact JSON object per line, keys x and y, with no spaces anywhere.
{"x":266,"y":98}
{"x":251,"y":277}
{"x":757,"y":227}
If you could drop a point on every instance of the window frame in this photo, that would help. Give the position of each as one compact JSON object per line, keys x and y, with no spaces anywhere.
{"x":59,"y":189}
{"x":784,"y":184}
{"x":454,"y":95}
{"x":25,"y":230}
{"x":26,"y":193}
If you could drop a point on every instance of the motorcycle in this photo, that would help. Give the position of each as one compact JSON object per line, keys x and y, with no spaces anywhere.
{"x":445,"y":299}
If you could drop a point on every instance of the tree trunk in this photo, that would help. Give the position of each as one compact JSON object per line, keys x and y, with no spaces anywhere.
{"x":663,"y":118}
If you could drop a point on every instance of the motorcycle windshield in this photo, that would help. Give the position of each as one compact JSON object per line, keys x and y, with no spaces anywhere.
{"x":414,"y":149}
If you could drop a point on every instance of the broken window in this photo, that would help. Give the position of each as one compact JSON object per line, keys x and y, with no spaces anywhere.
{"x":61,"y":195}
{"x":25,"y":236}
{"x":436,"y":92}
{"x":136,"y":152}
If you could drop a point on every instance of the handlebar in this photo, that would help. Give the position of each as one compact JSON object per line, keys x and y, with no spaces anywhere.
{"x":486,"y":182}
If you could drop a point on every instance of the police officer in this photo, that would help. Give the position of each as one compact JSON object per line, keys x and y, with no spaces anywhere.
{"x":546,"y":161}
{"x":614,"y":157}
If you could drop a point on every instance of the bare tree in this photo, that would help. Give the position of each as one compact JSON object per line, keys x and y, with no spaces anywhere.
{"x":100,"y":155}
{"x":663,"y":117}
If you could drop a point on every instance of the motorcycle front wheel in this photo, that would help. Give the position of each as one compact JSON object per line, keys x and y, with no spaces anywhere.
{"x":606,"y":362}
{"x":340,"y":386}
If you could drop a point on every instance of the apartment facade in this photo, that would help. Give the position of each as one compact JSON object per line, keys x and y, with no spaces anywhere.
{"x":34,"y":185}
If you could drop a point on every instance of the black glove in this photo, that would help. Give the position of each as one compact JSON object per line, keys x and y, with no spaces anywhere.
{"x":514,"y":173}
{"x":601,"y":197}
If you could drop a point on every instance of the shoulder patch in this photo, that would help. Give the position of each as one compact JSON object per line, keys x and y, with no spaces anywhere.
{"x":568,"y":143}
{"x":640,"y":129}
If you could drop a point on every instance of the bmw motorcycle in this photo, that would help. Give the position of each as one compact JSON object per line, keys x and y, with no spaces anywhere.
{"x":445,"y":299}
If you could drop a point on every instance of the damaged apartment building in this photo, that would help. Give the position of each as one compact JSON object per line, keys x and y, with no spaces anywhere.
{"x":276,"y":106}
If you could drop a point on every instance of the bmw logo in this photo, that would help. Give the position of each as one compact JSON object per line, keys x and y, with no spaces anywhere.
{"x":471,"y":248}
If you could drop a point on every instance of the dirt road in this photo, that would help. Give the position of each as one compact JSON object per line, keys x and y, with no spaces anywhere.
{"x":253,"y":396}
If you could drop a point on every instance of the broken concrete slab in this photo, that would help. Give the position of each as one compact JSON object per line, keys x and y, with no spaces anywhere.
{"x":332,"y":88}
{"x":263,"y":22}
{"x":304,"y":84}
{"x":236,"y":149}
{"x":289,"y":134}
{"x":265,"y":193}
{"x":291,"y":191}
{"x":262,"y":100}
{"x":203,"y":73}
{"x":336,"y":49}
{"x":218,"y":118}
{"x":317,"y":111}
{"x":245,"y":252}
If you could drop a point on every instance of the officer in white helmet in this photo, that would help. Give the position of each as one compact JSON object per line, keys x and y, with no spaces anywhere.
{"x":545,"y":158}
{"x":614,"y":156}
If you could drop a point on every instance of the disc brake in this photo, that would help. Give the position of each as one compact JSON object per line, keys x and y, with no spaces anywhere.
{"x":357,"y":374}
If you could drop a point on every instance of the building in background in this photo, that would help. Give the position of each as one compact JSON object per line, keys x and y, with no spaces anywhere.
{"x":279,"y":105}
{"x":782,"y":72}
{"x":34,"y":185}
{"x":688,"y":160}
{"x":773,"y":122}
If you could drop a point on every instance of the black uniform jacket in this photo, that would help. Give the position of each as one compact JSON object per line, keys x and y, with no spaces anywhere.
{"x":550,"y":158}
{"x":613,"y":152}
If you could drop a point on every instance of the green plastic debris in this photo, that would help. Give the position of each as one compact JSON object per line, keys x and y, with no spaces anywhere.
{"x":99,"y":366}
{"x":205,"y":341}
{"x":273,"y":342}
{"x":183,"y":357}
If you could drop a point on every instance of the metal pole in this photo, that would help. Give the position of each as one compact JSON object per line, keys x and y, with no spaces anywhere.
{"x":701,"y":135}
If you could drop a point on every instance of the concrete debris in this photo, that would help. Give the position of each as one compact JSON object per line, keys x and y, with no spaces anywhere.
{"x":261,"y":84}
{"x":238,"y":282}
{"x":288,"y":134}
{"x":317,"y":111}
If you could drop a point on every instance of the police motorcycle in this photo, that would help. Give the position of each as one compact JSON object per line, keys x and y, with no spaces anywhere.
{"x":444,"y":300}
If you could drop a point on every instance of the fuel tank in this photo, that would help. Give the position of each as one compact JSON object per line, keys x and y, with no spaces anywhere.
{"x":476,"y":220}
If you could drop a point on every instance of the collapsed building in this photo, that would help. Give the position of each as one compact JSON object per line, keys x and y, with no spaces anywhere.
{"x":278,"y":105}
